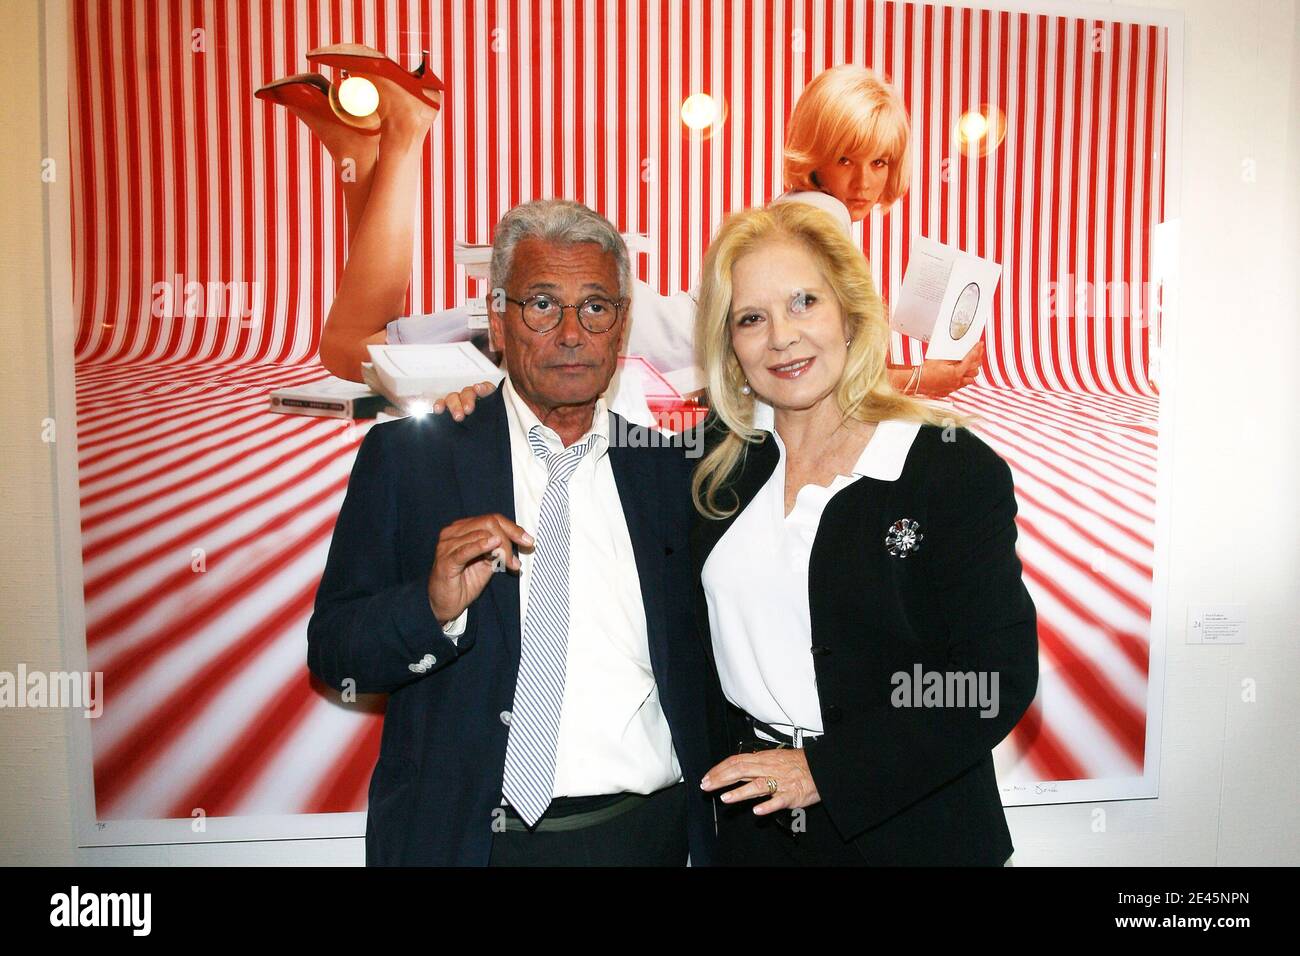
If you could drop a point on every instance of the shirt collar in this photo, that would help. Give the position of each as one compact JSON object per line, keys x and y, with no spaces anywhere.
{"x":522,"y":419}
{"x":885,"y":454}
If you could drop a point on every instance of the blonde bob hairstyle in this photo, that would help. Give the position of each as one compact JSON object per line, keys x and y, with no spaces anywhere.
{"x":864,"y":391}
{"x":844,"y":111}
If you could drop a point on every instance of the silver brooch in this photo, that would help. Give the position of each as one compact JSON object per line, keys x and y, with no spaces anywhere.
{"x":423,"y":664}
{"x":904,"y":537}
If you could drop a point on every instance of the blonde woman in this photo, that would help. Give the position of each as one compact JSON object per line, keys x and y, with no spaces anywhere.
{"x":858,"y":569}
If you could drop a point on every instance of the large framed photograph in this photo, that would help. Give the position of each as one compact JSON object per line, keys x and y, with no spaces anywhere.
{"x":201,"y":231}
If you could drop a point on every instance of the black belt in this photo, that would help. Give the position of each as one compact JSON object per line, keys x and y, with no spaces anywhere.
{"x":751,"y":741}
{"x":568,"y":806}
{"x":576,"y":813}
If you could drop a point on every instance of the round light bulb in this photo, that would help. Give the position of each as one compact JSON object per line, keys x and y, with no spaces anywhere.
{"x":699,"y":110}
{"x":973,"y":126}
{"x":981,"y":131}
{"x":358,"y":96}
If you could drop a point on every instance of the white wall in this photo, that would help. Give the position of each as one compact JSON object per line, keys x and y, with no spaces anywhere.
{"x":1229,"y":769}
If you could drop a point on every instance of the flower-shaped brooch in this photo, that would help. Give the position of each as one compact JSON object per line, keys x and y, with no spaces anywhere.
{"x":903,"y":538}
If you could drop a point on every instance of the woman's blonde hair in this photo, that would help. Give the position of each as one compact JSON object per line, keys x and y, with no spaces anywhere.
{"x":844,"y":111}
{"x":864,"y":391}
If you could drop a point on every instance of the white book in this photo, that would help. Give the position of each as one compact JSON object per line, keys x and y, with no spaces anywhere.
{"x":407,"y":373}
{"x":946,"y":298}
{"x":475,"y":258}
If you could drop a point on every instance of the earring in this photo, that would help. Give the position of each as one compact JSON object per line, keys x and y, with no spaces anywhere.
{"x":848,"y":341}
{"x":745,"y":389}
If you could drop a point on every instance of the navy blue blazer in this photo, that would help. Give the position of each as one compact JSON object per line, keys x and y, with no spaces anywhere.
{"x":437,"y":783}
{"x":907,"y":785}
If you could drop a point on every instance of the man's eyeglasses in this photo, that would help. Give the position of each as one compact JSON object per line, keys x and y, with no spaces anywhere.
{"x":543,"y":312}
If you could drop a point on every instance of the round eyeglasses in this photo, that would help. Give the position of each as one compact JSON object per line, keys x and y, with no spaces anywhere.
{"x":543,"y":312}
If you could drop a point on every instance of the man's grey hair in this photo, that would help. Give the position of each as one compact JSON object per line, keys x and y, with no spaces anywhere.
{"x":561,"y":221}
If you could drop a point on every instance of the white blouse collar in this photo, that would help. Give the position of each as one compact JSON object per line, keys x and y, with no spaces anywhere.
{"x":885,"y":454}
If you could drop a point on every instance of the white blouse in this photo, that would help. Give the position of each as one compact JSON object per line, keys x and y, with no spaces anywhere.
{"x":756,"y":584}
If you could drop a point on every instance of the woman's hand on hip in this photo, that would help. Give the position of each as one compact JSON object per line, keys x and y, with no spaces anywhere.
{"x":787,"y":766}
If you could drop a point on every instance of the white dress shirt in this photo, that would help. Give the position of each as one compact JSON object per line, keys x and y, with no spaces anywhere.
{"x":756,"y":584}
{"x":613,"y":734}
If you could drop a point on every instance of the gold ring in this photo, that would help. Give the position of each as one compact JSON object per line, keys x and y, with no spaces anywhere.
{"x":772,"y":785}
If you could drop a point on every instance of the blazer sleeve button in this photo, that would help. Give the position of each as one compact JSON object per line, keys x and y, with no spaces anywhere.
{"x":832,"y":714}
{"x":820,"y":650}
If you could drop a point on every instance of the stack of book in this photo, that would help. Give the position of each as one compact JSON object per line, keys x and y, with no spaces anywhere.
{"x":329,"y":397}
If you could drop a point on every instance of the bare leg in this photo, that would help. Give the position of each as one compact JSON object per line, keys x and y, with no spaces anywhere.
{"x":381,"y":232}
{"x":354,"y":154}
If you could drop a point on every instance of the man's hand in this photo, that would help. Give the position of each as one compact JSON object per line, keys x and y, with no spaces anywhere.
{"x":787,"y":766}
{"x":941,"y":377}
{"x":461,"y":403}
{"x":462,"y":564}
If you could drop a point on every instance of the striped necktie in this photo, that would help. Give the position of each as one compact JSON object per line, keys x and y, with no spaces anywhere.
{"x":529,"y":779}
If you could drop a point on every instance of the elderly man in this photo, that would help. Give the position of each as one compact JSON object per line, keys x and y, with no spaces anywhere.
{"x":520,"y":588}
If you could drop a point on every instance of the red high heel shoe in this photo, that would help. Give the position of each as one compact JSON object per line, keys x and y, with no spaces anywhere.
{"x":356,"y":58}
{"x":312,"y":91}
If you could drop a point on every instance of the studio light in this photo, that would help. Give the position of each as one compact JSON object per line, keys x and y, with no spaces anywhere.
{"x":700,"y":111}
{"x":980,"y":131}
{"x":358,"y":96}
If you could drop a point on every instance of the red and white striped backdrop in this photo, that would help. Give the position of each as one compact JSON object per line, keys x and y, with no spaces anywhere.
{"x":178,"y":171}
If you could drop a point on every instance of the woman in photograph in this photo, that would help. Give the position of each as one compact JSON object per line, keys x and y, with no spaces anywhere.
{"x":847,"y":151}
{"x":857,"y":564}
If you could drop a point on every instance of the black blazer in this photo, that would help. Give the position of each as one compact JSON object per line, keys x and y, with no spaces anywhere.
{"x":909,"y":785}
{"x":437,"y":784}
